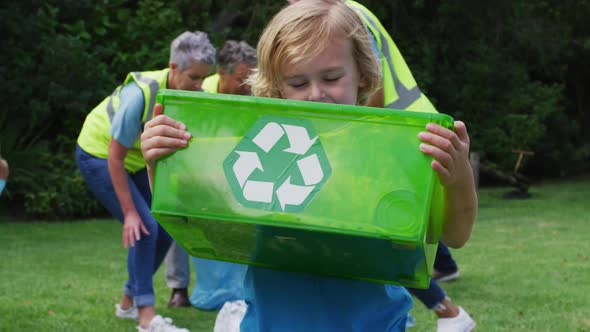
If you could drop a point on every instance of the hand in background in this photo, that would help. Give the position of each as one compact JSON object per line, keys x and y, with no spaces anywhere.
{"x":132,"y":229}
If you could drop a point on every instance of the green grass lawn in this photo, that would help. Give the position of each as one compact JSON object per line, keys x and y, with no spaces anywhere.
{"x":526,"y":268}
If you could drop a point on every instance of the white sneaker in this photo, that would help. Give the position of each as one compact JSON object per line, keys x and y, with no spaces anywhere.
{"x":462,"y":323}
{"x":160,"y":324}
{"x":230,"y":316}
{"x":445,"y":276}
{"x":129,"y":313}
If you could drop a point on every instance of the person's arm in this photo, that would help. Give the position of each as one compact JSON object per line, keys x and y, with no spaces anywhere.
{"x":450,"y":150}
{"x":125,"y":129}
{"x":4,"y":170}
{"x":161,"y":136}
{"x":132,"y":225}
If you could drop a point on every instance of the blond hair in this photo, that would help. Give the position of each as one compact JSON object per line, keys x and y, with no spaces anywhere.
{"x":302,"y":31}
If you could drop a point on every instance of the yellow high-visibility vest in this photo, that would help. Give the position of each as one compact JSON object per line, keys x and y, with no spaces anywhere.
{"x":95,"y":135}
{"x":211,"y":84}
{"x":400,"y":90}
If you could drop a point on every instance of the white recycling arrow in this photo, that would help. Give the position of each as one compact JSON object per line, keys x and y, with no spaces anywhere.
{"x":268,"y":136}
{"x":258,"y":191}
{"x":292,"y":194}
{"x":310,"y":169}
{"x":247,"y":163}
{"x":298,"y":139}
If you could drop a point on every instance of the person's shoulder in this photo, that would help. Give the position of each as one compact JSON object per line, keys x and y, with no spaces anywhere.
{"x":131,"y":90}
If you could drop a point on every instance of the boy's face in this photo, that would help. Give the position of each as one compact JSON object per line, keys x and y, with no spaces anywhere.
{"x":330,"y":77}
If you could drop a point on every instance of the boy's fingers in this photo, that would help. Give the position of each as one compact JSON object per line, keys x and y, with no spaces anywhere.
{"x":160,"y":142}
{"x":167,"y":131}
{"x":436,"y":140}
{"x":443,"y":157}
{"x":446,"y":133}
{"x":164,"y":131}
{"x":461,"y":131}
{"x":158,"y":109}
{"x":155,"y":154}
{"x":443,"y":173}
{"x":161,"y":119}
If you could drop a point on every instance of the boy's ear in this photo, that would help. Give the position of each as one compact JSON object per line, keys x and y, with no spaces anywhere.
{"x":173,"y":65}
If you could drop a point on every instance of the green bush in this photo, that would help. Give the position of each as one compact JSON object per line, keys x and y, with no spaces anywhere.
{"x":516,"y":72}
{"x":65,"y":57}
{"x":65,"y":196}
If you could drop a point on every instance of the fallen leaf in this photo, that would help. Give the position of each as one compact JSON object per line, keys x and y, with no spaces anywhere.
{"x":51,"y":313}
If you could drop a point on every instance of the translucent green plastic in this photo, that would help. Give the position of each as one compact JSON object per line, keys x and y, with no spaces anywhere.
{"x":375,"y":215}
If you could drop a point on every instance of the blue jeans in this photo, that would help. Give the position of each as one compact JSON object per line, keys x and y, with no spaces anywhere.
{"x":444,"y":262}
{"x":432,"y":296}
{"x":145,"y":257}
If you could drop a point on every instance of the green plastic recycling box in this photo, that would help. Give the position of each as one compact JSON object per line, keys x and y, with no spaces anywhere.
{"x":335,"y":190}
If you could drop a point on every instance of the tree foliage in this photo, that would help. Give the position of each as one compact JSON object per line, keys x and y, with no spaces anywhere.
{"x":516,"y":72}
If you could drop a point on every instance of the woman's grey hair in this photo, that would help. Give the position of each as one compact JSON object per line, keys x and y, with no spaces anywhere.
{"x":234,"y":53}
{"x":191,"y":47}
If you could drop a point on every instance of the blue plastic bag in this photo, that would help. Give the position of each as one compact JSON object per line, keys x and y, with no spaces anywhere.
{"x":217,"y":282}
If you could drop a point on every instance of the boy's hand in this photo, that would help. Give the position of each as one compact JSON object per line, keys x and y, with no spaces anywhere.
{"x":450,"y":150}
{"x":161,"y":136}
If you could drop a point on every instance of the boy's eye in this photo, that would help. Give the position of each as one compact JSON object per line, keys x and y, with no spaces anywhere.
{"x":332,"y":78}
{"x":296,"y":83}
{"x":195,"y":78}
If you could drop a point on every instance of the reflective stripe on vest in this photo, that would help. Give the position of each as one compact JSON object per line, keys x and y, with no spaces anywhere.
{"x":110,"y":107}
{"x":405,"y":96}
{"x":154,"y":87}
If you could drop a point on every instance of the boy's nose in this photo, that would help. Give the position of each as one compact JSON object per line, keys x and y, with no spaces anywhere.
{"x":315,"y":92}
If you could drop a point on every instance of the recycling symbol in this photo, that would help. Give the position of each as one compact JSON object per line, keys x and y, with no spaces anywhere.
{"x":279,"y":165}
